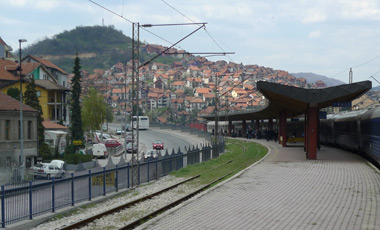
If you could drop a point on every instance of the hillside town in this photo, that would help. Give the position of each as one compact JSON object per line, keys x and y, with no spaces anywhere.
{"x":187,"y":86}
{"x":177,"y":93}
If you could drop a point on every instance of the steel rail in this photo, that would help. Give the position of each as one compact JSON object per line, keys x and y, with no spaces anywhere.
{"x":133,"y":224}
{"x":142,"y":220}
{"x":86,"y":221}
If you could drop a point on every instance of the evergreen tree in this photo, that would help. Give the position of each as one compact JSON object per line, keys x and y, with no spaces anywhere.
{"x":31,"y":99}
{"x":76,"y":116}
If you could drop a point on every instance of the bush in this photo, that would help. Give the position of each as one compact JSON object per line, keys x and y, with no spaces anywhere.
{"x":45,"y":152}
{"x":76,"y":158}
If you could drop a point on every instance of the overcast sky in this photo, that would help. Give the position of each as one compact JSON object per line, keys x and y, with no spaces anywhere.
{"x":325,"y":37}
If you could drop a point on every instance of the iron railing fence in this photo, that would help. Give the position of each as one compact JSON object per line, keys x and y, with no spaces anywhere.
{"x":34,"y":198}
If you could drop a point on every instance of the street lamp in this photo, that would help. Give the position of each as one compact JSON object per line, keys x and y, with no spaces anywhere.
{"x":21,"y":120}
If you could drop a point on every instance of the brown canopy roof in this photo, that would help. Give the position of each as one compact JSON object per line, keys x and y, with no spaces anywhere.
{"x":296,"y":100}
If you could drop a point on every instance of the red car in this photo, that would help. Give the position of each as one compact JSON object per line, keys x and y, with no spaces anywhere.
{"x":112,"y":143}
{"x":158,"y":144}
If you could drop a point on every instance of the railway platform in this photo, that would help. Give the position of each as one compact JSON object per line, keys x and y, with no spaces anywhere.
{"x":339,"y":190}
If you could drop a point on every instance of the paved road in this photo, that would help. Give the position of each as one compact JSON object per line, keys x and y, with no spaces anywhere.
{"x":173,"y":140}
{"x":285,"y":191}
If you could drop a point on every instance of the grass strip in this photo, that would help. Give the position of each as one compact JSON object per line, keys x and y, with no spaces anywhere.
{"x":241,"y":153}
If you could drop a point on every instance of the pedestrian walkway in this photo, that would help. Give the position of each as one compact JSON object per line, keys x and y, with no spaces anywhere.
{"x":339,"y":190}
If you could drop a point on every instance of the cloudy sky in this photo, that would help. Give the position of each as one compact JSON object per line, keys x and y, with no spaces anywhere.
{"x":321,"y":36}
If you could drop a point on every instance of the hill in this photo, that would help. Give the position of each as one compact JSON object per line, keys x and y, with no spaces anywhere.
{"x":311,"y":78}
{"x":99,"y":47}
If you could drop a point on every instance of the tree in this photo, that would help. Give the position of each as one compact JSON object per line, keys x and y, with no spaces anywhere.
{"x":31,"y":99}
{"x":109,"y":116}
{"x":14,"y":92}
{"x":76,"y":117}
{"x":94,"y":110}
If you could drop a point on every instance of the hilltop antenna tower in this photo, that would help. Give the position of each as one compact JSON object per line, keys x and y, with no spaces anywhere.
{"x":350,"y":76}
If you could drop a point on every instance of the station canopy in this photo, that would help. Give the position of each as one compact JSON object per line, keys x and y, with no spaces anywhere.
{"x":295,"y":100}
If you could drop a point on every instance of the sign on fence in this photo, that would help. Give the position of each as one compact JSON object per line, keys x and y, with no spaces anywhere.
{"x":77,"y":142}
{"x":98,"y":180}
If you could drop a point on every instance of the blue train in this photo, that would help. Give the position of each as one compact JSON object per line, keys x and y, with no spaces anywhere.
{"x":356,"y":131}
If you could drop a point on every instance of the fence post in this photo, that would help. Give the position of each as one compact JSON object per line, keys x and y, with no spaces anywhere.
{"x":157,"y":168}
{"x":117,"y":178}
{"x":170,"y":163}
{"x":2,"y":207}
{"x":30,"y":200}
{"x":138,"y":170}
{"x":128,"y":176}
{"x":148,"y":170}
{"x":89,"y":185}
{"x":104,"y":181}
{"x":72,"y":190}
{"x":53,"y":194}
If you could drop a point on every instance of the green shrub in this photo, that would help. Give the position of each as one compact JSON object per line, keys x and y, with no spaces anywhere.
{"x":76,"y":158}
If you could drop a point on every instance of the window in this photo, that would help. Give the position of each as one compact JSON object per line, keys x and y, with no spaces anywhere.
{"x":38,"y":93}
{"x":7,"y":130}
{"x":29,"y":130}
{"x":45,"y":77}
{"x":8,"y":162}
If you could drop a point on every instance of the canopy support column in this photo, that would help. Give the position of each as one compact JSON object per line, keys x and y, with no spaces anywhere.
{"x":229,"y":128}
{"x":312,"y":132}
{"x":282,"y":131}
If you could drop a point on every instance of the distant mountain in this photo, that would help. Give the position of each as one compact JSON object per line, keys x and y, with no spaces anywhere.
{"x":311,"y":78}
{"x":99,"y":47}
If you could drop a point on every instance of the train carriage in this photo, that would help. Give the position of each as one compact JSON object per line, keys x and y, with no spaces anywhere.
{"x":347,"y":130}
{"x":370,"y":139}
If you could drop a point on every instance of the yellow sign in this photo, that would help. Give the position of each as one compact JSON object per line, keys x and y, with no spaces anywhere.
{"x":295,"y":139}
{"x":98,"y":180}
{"x":77,"y":142}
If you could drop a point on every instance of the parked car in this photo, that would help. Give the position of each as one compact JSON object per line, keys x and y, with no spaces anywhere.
{"x":105,"y":135}
{"x":129,"y":147}
{"x":157,"y":144}
{"x":112,"y":143}
{"x":50,"y":170}
{"x":119,"y":132}
{"x":128,"y":127}
{"x":34,"y":169}
{"x":151,"y":154}
{"x":99,"y":151}
{"x":128,"y":138}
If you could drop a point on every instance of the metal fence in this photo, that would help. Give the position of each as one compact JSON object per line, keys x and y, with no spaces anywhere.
{"x":34,"y":198}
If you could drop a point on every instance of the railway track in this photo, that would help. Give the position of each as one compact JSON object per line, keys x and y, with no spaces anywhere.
{"x":95,"y":221}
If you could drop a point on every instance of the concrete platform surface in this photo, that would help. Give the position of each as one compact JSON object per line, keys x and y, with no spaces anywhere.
{"x":339,"y":190}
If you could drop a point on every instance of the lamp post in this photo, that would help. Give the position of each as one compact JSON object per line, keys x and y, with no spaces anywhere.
{"x":22,"y":162}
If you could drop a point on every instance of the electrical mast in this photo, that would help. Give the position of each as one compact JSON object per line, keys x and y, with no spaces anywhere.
{"x":135,"y":103}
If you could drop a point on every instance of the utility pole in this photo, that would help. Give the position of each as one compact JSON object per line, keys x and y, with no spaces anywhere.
{"x":135,"y":102}
{"x":216,"y":131}
{"x":125,"y":109}
{"x":22,"y":161}
{"x":107,"y":104}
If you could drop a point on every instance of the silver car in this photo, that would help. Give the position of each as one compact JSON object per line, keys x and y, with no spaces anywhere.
{"x":151,"y":154}
{"x":50,"y":170}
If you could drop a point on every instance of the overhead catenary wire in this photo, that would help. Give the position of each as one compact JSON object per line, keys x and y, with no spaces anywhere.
{"x":343,"y":71}
{"x":126,"y":19}
{"x":208,"y":33}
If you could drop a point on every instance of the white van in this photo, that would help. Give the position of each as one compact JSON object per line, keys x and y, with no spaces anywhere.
{"x":58,"y":163}
{"x":99,"y":151}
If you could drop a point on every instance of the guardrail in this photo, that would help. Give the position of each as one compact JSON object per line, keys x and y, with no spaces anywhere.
{"x":34,"y":198}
